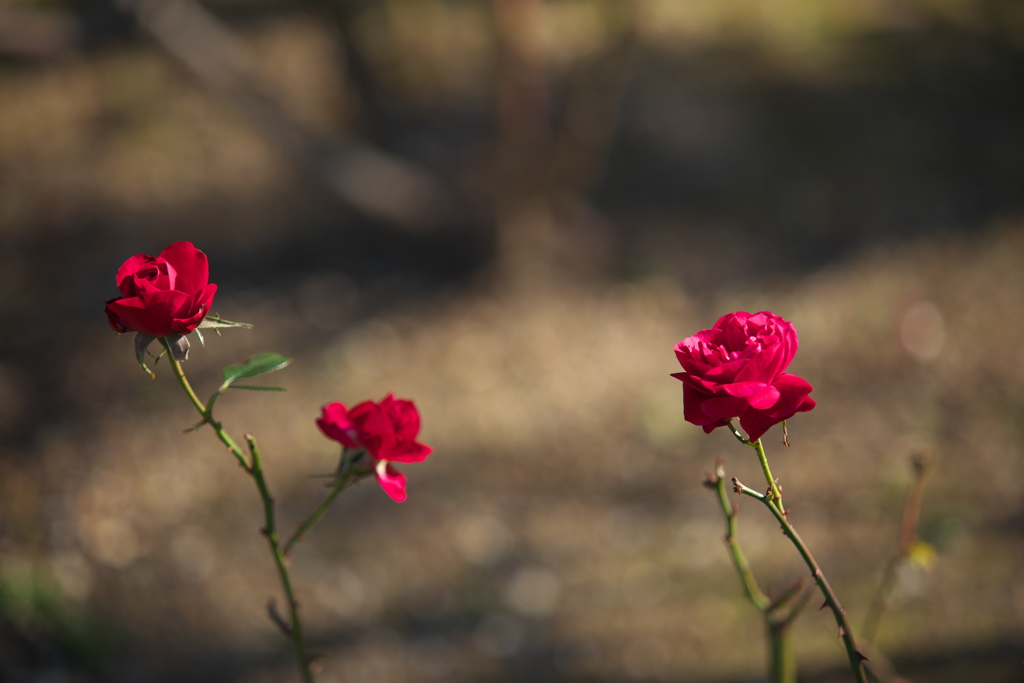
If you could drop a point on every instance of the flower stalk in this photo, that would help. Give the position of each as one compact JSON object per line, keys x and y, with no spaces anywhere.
{"x":337,"y":487}
{"x":206,"y":412}
{"x":737,"y":370}
{"x":773,"y":486}
{"x":253,"y":466}
{"x":779,"y":614}
{"x":294,"y":632}
{"x":856,"y":659}
{"x":169,"y":296}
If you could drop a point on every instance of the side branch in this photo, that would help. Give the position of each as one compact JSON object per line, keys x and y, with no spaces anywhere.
{"x":853,"y":654}
{"x":908,"y":534}
{"x":339,"y":485}
{"x":778,"y":614}
{"x":759,"y":447}
{"x":754,"y":593}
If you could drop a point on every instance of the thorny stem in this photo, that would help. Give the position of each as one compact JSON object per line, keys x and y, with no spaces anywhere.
{"x":855,"y":657}
{"x":294,"y":632}
{"x":757,"y":446}
{"x":254,"y":468}
{"x":339,"y":485}
{"x":782,"y":660}
{"x":735,"y":432}
{"x":776,"y":494}
{"x":206,"y":413}
{"x":739,"y":560}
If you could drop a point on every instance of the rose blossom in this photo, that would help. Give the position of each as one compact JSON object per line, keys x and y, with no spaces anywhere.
{"x":736,"y":369}
{"x":386,"y":430}
{"x":163,"y":295}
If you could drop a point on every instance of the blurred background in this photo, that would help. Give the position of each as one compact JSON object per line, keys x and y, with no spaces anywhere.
{"x":510,"y":211}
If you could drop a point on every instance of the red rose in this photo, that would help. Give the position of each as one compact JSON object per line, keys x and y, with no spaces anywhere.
{"x":387,"y":430}
{"x":736,"y":369}
{"x":163,"y":295}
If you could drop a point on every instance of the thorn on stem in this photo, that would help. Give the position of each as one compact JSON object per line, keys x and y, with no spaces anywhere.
{"x":316,"y":662}
{"x":919,"y":462}
{"x":276,"y":617}
{"x":196,"y":426}
{"x":823,"y":605}
{"x":861,"y":656}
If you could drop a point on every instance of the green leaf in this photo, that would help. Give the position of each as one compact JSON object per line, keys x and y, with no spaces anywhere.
{"x":254,"y":388}
{"x":260,"y":364}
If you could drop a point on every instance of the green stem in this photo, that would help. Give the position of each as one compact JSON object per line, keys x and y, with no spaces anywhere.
{"x":735,"y":432}
{"x":303,"y":528}
{"x":783,"y":659}
{"x":254,"y":468}
{"x":294,"y":632}
{"x":739,"y":560}
{"x":855,"y":657}
{"x":782,"y":663}
{"x":757,"y":446}
{"x":206,"y":413}
{"x":776,"y":494}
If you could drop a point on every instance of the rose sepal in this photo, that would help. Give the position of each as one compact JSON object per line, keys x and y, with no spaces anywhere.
{"x":357,"y":463}
{"x":353,"y":462}
{"x":215,"y":322}
{"x":178,"y":346}
{"x":177,"y":343}
{"x":141,"y":343}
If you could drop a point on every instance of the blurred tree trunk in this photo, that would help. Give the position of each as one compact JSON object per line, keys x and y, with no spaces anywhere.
{"x":523,"y":216}
{"x":547,"y":157}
